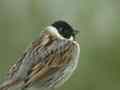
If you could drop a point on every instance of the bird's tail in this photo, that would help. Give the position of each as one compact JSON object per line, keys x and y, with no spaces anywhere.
{"x":7,"y":84}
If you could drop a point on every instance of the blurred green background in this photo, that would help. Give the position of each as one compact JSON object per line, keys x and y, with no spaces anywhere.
{"x":21,"y":21}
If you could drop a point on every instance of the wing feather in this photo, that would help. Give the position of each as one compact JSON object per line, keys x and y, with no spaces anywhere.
{"x":15,"y":67}
{"x":47,"y":56}
{"x":57,"y":58}
{"x":41,"y":41}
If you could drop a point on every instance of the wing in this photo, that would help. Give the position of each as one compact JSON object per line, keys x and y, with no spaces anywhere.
{"x":22,"y":67}
{"x":37,"y":43}
{"x":51,"y":59}
{"x":47,"y":55}
{"x":15,"y":67}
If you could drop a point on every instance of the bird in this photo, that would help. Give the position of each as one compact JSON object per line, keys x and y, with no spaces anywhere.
{"x":48,"y":62}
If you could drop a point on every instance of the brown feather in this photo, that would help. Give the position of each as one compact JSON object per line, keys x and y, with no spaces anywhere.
{"x":47,"y":56}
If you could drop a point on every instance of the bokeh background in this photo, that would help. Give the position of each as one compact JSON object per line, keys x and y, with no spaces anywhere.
{"x":21,"y":21}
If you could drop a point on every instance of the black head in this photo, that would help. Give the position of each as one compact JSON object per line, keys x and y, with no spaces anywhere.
{"x":64,"y":29}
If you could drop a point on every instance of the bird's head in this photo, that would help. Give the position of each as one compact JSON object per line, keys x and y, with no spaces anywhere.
{"x":63,"y":29}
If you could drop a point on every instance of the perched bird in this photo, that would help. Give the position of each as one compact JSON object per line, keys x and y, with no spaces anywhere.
{"x":48,"y":62}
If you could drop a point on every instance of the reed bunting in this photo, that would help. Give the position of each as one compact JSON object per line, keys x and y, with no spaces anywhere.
{"x":48,"y":62}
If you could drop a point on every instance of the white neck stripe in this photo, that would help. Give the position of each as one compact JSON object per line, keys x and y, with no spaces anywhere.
{"x":54,"y":30}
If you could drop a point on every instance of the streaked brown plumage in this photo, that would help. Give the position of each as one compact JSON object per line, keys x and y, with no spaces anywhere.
{"x":46,"y":62}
